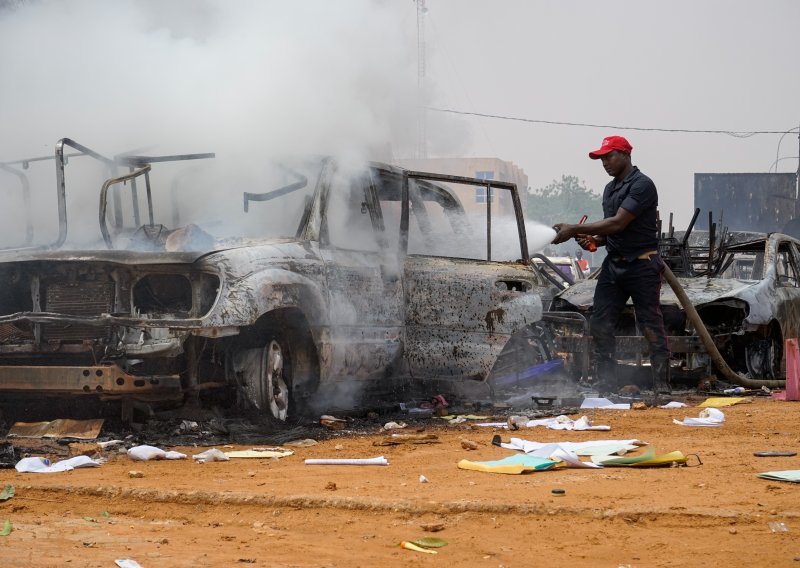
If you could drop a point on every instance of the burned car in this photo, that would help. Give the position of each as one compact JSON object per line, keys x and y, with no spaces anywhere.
{"x":315,"y":280}
{"x":746,"y":290}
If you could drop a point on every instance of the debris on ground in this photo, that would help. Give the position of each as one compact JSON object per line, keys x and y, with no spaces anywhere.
{"x":146,"y":453}
{"x":43,"y":465}
{"x":59,"y":429}
{"x":411,"y":546}
{"x":380,"y":460}
{"x":707,"y":417}
{"x":331,"y":422}
{"x":271,"y":453}
{"x":396,"y":439}
{"x":790,"y":475}
{"x":210,"y":455}
{"x":7,"y":493}
{"x":721,"y":402}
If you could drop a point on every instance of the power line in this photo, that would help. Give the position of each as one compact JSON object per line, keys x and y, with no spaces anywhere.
{"x":745,"y":134}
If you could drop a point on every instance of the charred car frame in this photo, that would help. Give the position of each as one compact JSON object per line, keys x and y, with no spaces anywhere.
{"x":745,"y":287}
{"x":331,"y":276}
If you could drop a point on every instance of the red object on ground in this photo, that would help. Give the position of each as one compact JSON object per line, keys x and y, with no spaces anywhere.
{"x":792,"y":369}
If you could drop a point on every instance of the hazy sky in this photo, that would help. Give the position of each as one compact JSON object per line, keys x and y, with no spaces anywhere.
{"x":684,"y":64}
{"x":320,"y":76}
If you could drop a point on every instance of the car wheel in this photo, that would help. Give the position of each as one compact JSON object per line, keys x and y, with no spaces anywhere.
{"x":276,"y":387}
{"x":276,"y":368}
{"x":764,"y":356}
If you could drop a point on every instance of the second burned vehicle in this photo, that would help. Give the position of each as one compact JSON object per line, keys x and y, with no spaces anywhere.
{"x":745,"y":288}
{"x":282,"y":289}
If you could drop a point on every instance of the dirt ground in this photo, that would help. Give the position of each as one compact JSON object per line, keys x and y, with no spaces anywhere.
{"x":267,"y":512}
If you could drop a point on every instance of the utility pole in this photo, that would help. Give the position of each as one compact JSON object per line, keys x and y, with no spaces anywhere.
{"x":422,"y":137}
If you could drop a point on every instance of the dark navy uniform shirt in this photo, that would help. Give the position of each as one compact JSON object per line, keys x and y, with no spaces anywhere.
{"x":637,"y":195}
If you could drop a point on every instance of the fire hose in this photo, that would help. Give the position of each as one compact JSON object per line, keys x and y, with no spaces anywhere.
{"x":729,"y":374}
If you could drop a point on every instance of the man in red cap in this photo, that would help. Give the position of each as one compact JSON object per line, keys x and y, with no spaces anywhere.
{"x":632,"y":267}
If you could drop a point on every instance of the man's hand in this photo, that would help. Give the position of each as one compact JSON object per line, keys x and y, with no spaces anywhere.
{"x":564,"y":232}
{"x":588,"y":242}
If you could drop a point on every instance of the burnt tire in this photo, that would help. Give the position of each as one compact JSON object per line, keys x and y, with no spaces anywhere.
{"x":276,"y":367}
{"x":764,"y":356}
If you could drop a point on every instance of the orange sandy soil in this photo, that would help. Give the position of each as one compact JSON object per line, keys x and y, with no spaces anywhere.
{"x":284,"y":513}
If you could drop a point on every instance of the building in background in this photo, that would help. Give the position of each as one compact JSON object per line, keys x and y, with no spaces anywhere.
{"x":474,"y":198}
{"x":763,"y":202}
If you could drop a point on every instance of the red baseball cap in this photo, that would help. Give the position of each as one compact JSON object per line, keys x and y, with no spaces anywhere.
{"x":610,"y":144}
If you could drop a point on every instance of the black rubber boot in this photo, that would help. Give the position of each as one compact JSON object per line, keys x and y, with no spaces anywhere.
{"x":605,"y":378}
{"x":661,"y":379}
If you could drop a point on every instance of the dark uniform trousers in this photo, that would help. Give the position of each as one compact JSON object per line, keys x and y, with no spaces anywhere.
{"x":620,"y":279}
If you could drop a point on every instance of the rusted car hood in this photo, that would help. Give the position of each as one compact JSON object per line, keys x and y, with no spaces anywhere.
{"x":134,"y":257}
{"x":114,"y":256}
{"x":699,"y":290}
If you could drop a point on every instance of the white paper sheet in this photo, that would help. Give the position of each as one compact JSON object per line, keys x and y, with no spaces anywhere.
{"x":577,"y":448}
{"x":557,"y":452}
{"x":145,"y":453}
{"x":604,"y":403}
{"x":673,"y":404}
{"x":707,"y":417}
{"x":349,"y":461}
{"x":555,"y":423}
{"x":42,"y":465}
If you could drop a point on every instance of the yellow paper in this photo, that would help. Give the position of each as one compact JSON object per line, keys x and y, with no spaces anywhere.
{"x":664,"y":459}
{"x":722,"y":401}
{"x":512,"y":469}
{"x":414,"y":547}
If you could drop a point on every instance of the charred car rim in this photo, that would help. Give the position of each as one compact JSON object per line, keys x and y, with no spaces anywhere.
{"x":277,"y":390}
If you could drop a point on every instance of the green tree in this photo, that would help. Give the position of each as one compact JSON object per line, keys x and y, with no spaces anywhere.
{"x":564,"y":201}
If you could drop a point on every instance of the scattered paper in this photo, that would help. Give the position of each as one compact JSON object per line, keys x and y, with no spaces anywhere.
{"x":127,"y":563}
{"x":555,"y":452}
{"x":210,"y":455}
{"x":579,"y":448}
{"x":450,"y":417}
{"x":647,"y":459}
{"x":145,"y":453}
{"x":512,"y":465}
{"x":273,"y":453}
{"x":722,"y":401}
{"x":708,"y":417}
{"x":673,"y":404}
{"x":604,"y":404}
{"x":7,"y":493}
{"x":304,"y":443}
{"x":791,"y":475}
{"x":555,"y":423}
{"x":42,"y":465}
{"x":349,"y":461}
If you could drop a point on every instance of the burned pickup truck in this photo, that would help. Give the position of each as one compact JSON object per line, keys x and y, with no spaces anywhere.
{"x":746,"y":290}
{"x":306,"y":279}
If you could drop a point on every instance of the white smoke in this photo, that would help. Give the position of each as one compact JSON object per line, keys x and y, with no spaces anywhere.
{"x":245,"y":79}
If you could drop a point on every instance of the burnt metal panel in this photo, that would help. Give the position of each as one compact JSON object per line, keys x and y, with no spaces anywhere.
{"x":747,"y":202}
{"x":106,"y":380}
{"x":88,"y":299}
